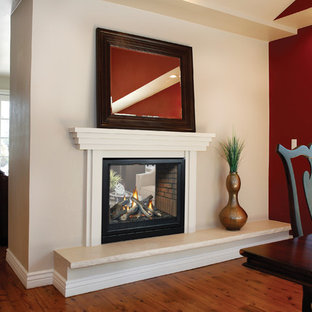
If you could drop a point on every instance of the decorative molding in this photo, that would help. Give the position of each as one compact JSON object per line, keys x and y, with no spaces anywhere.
{"x":59,"y":283}
{"x":39,"y":278}
{"x":137,"y":140}
{"x":17,"y":267}
{"x":32,"y":279}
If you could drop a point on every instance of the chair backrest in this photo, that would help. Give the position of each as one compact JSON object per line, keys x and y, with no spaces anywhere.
{"x":287,"y":156}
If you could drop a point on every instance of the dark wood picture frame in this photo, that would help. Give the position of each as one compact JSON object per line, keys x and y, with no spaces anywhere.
{"x":105,"y":119}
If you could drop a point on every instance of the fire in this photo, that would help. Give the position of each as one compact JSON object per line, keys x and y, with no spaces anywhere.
{"x":135,"y":195}
{"x":150,"y":205}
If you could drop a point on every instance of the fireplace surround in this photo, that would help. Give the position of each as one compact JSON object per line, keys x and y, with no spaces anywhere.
{"x":136,"y":144}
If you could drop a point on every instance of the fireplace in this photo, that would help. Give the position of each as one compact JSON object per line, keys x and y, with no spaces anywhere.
{"x":102,"y":144}
{"x":142,"y":197}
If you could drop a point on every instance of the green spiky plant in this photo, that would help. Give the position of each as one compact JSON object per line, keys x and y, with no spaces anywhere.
{"x":231,"y":150}
{"x":114,"y":179}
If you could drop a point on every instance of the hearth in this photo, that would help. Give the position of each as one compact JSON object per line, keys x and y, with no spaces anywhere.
{"x":142,"y":197}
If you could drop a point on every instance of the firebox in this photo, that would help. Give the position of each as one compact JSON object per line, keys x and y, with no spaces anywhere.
{"x":142,"y":198}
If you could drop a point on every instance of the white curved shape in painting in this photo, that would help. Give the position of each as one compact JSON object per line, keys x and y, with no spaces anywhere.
{"x":159,"y":84}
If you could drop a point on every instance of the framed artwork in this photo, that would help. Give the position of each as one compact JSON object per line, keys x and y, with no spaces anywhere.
{"x":143,"y":83}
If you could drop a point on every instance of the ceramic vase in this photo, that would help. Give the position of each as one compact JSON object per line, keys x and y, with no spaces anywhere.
{"x":233,"y":216}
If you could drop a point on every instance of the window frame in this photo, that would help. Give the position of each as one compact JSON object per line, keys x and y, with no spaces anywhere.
{"x":4,"y":96}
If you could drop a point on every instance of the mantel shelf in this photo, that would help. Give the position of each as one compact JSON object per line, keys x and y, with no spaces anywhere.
{"x":127,"y":140}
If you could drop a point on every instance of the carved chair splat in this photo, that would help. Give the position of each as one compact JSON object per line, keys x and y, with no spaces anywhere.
{"x":287,"y":156}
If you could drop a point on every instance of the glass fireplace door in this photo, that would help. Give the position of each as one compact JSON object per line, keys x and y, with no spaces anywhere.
{"x":142,"y":198}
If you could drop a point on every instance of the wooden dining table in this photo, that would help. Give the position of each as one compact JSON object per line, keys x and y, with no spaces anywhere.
{"x":290,"y":259}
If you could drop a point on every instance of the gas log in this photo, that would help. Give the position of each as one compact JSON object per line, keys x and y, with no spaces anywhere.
{"x":131,"y":211}
{"x":122,"y":211}
{"x":119,"y":209}
{"x":141,"y":208}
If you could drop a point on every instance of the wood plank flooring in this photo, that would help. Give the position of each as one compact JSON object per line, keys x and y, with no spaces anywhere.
{"x":224,"y":287}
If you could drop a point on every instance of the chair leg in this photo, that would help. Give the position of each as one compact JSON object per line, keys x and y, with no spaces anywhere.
{"x":307,"y":299}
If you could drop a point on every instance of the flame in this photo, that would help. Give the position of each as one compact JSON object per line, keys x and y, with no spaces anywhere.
{"x":135,"y":194}
{"x":125,"y":197}
{"x":150,"y":205}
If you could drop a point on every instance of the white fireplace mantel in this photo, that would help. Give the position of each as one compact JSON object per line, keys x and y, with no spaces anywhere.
{"x":119,"y":143}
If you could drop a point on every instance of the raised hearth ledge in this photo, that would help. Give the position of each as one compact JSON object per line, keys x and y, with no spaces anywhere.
{"x":120,"y":143}
{"x":84,"y":269}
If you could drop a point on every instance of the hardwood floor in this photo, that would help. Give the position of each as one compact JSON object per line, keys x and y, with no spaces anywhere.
{"x":224,"y":287}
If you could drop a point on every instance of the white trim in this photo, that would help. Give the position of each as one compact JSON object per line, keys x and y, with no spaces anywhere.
{"x":192,"y":164}
{"x":88,"y":213}
{"x":59,"y":283}
{"x":139,"y":140}
{"x":17,"y":267}
{"x":187,"y":193}
{"x":40,"y":278}
{"x":32,"y":279}
{"x":93,"y":282}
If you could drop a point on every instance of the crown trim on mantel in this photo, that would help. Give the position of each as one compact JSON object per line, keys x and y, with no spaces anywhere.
{"x":120,"y":139}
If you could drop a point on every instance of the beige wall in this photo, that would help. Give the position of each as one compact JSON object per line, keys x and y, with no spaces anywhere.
{"x":4,"y":82}
{"x":231,"y":92}
{"x":21,"y":30}
{"x":232,"y":96}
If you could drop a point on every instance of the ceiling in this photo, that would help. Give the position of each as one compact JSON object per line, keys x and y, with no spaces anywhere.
{"x":252,"y":18}
{"x":262,"y":9}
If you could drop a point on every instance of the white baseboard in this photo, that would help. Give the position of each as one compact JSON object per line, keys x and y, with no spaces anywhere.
{"x":59,"y":283}
{"x":17,"y":267}
{"x":32,"y":279}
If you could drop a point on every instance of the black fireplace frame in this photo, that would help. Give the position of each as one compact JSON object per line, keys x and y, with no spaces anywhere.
{"x":122,"y":232}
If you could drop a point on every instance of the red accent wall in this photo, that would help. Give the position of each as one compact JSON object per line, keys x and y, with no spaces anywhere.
{"x":296,"y":6}
{"x":129,"y":73}
{"x":290,"y":62}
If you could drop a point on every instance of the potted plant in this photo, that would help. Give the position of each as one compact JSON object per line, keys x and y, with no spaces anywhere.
{"x":232,"y":216}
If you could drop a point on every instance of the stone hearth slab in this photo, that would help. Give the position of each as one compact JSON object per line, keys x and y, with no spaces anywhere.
{"x":83,"y":269}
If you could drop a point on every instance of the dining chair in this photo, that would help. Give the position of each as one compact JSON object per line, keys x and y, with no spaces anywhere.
{"x":294,"y":208}
{"x":287,"y":155}
{"x":290,"y":259}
